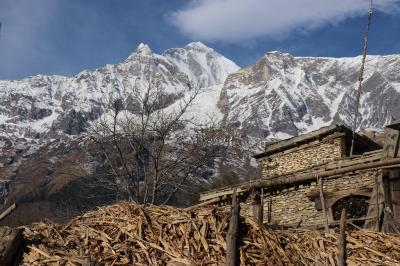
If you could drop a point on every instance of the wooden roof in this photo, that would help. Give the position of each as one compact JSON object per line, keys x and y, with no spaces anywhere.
{"x":313,"y":135}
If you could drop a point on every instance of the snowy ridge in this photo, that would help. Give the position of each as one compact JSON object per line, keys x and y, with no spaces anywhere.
{"x":201,"y":64}
{"x":282,"y":96}
{"x":56,"y":106}
{"x":277,"y":97}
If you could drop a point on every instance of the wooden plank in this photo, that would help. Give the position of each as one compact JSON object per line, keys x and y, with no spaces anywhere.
{"x":232,"y":249}
{"x":342,"y":239}
{"x":10,"y":243}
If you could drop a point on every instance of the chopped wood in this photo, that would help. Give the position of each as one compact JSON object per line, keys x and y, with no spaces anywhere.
{"x":10,"y":242}
{"x":7,"y":211}
{"x":133,"y":234}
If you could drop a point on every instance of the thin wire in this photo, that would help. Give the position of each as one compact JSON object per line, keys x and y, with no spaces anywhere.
{"x":360,"y":77}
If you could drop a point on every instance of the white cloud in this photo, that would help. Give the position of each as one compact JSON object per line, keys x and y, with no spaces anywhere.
{"x":243,"y":20}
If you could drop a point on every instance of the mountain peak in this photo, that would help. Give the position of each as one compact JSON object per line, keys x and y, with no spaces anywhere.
{"x":276,"y":53}
{"x":198,"y":45}
{"x":143,"y":49}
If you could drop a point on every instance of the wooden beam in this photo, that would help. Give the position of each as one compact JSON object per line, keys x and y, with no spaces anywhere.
{"x":298,"y":178}
{"x":309,"y":177}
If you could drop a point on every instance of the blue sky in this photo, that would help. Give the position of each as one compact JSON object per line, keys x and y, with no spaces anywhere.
{"x":65,"y":37}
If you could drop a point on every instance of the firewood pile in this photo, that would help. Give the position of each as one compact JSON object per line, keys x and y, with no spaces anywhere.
{"x":133,"y":234}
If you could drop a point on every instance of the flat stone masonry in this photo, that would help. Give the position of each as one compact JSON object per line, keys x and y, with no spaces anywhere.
{"x":294,"y":160}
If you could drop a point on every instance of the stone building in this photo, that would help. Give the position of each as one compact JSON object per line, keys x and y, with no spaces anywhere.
{"x":308,"y":179}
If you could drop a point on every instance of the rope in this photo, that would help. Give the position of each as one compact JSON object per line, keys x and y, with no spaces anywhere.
{"x":360,"y":77}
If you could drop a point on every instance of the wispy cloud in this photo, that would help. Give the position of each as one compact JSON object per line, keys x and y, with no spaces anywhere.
{"x":238,"y":20}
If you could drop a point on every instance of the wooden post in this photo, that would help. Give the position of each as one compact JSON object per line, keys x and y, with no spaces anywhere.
{"x":257,"y":207}
{"x":376,"y":201}
{"x":232,"y":251}
{"x":391,"y":143}
{"x":342,"y":240}
{"x":321,"y":195}
{"x":270,"y":209}
{"x":10,"y":242}
{"x":261,"y":214}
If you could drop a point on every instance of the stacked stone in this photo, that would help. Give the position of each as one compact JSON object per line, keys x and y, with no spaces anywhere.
{"x":311,"y":154}
{"x":292,"y":205}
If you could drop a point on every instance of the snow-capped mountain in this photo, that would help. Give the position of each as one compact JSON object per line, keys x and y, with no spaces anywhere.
{"x":282,"y":96}
{"x":55,"y":106}
{"x":201,"y":64}
{"x":279,"y":96}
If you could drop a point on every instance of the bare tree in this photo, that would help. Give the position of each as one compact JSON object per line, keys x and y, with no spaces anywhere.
{"x":156,"y":149}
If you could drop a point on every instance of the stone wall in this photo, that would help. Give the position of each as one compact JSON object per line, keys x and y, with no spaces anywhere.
{"x":291,"y":205}
{"x":308,"y":155}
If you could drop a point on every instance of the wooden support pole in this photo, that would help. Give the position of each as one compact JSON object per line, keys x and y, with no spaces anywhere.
{"x":232,"y":250}
{"x":7,"y":211}
{"x":342,"y":240}
{"x":270,"y":209}
{"x":321,"y":195}
{"x":378,"y":212}
{"x":261,"y":215}
{"x":257,"y":207}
